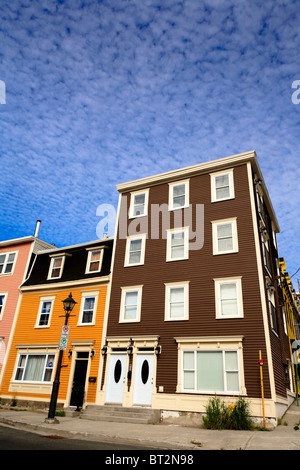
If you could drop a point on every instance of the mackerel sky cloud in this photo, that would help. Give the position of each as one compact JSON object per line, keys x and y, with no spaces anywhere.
{"x":102,"y":92}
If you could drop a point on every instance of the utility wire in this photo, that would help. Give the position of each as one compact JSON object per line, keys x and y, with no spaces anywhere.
{"x":295,"y":273}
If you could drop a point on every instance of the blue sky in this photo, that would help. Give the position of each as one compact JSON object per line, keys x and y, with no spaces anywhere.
{"x":103,"y":92}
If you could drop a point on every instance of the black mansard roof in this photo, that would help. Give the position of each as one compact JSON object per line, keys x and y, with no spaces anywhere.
{"x":74,"y":265}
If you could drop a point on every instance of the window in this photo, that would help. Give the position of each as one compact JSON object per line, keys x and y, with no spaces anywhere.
{"x":135,"y":250}
{"x":131,"y":304}
{"x":139,"y":204}
{"x":45,"y":311}
{"x":179,"y":195}
{"x":34,"y":367}
{"x":228,"y":293}
{"x":56,"y":267}
{"x":266,"y":255}
{"x":210,"y":371}
{"x":222,"y":187}
{"x":273,"y":311}
{"x":176,"y":304}
{"x":94,"y":261}
{"x":224,"y":236}
{"x":7,"y":261}
{"x":177,"y":244}
{"x":88,"y":308}
{"x":3,"y":297}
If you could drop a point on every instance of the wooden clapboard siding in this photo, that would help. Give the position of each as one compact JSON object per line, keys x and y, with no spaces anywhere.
{"x":200,"y":269}
{"x":9,"y":284}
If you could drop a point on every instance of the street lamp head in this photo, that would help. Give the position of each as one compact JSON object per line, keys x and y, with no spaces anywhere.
{"x":69,"y":303}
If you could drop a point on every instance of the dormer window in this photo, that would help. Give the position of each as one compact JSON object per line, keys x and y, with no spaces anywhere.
{"x":94,"y":260}
{"x":56,"y":267}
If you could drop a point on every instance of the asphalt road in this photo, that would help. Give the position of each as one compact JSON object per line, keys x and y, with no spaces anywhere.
{"x":16,"y":439}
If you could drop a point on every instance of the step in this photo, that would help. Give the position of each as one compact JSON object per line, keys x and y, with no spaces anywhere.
{"x":114,"y":413}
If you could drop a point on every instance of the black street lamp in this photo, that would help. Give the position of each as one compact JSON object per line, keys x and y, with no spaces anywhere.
{"x":68,"y":307}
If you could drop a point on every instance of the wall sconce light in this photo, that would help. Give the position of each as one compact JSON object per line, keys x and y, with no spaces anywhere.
{"x":129,"y":350}
{"x":270,"y":287}
{"x":104,"y":351}
{"x":157,"y":350}
{"x":70,"y":353}
{"x":93,"y":352}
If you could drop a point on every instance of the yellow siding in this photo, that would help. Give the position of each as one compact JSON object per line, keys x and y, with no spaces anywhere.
{"x":26,"y":333}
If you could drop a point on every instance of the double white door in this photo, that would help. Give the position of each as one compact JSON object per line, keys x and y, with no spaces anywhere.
{"x":142,"y":380}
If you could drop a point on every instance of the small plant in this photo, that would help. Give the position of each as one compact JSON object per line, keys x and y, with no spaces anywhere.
{"x":216,"y":414}
{"x":196,"y":443}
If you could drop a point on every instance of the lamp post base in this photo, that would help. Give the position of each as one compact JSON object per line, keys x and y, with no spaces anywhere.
{"x":51,"y":421}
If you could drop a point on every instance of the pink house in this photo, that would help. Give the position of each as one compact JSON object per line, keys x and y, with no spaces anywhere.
{"x":15,"y":261}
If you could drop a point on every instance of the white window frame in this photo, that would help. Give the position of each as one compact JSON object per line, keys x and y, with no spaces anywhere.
{"x":143,"y":247}
{"x":207,"y":344}
{"x":126,"y":290}
{"x":232,"y":280}
{"x":85,"y":295}
{"x":7,"y":253}
{"x":132,"y":197}
{"x":170,"y":232}
{"x":25,"y":365}
{"x":51,"y":266}
{"x":186,"y":183}
{"x":215,"y":225}
{"x":43,"y":299}
{"x":168,"y":287}
{"x":213,"y":177}
{"x":4,"y":294}
{"x":89,"y":261}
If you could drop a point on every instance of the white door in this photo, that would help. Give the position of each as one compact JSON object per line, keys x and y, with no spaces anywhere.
{"x":143,"y":379}
{"x":116,"y":378}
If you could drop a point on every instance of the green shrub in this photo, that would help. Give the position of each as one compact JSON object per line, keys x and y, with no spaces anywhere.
{"x":234,"y":416}
{"x":240,"y":416}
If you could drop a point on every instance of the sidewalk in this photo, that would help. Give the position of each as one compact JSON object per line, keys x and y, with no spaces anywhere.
{"x":161,"y":436}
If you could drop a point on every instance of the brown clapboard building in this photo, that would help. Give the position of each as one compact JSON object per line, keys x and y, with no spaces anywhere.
{"x":195,"y":293}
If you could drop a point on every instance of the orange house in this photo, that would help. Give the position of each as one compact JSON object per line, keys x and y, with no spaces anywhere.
{"x":83,"y":270}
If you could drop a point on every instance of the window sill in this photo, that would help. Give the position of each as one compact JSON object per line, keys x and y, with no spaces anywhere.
{"x":226,"y":252}
{"x":170,"y":209}
{"x":225,"y":199}
{"x":230,"y":317}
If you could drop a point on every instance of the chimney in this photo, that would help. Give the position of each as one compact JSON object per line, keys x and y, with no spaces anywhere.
{"x":37,"y":228}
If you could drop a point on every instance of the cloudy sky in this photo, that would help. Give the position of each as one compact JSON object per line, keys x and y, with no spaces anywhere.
{"x":102,"y":92}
